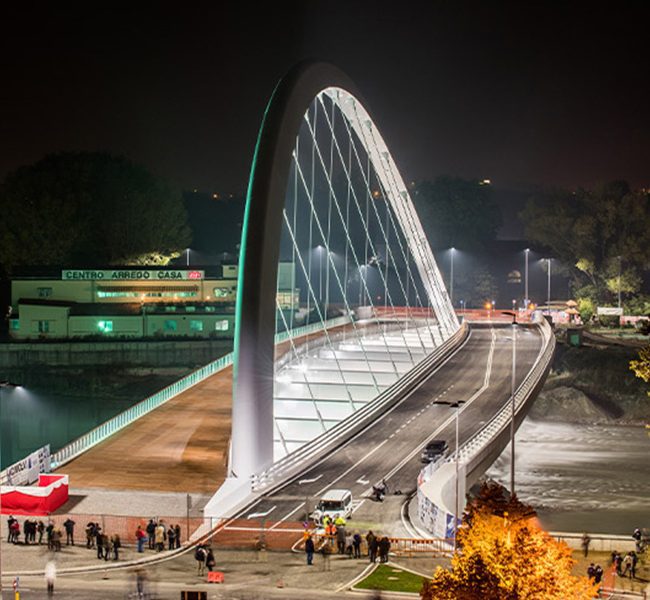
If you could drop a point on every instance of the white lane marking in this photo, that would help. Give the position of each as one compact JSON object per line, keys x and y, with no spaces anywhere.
{"x":310,"y":480}
{"x":283,"y":519}
{"x":370,"y":425}
{"x":356,"y":505}
{"x":486,"y":383}
{"x":363,"y":481}
{"x":262,"y":514}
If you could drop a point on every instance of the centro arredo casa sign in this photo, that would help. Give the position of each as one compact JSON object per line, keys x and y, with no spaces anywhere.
{"x":129,"y":275}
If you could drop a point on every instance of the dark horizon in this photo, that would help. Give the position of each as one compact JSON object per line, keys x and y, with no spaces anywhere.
{"x":540,"y":94}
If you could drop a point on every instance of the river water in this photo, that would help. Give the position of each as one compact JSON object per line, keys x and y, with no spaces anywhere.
{"x":592,"y":478}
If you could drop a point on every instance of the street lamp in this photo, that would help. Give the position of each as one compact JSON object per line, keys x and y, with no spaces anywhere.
{"x":548,"y":286}
{"x":526,"y":299}
{"x":187,"y":255}
{"x":457,"y":406}
{"x":462,"y":307}
{"x":512,"y":405}
{"x":451,"y":277}
{"x":620,"y":258}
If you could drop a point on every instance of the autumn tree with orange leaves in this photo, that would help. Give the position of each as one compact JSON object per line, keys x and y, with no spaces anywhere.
{"x":503,"y":555}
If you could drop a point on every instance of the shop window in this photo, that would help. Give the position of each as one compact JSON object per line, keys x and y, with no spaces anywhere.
{"x":170,"y":325}
{"x":15,"y":324}
{"x":105,"y":326}
{"x":44,"y":292}
{"x":196,"y":325}
{"x":221,"y":325}
{"x":170,"y":309}
{"x":44,"y":327}
{"x":190,"y":309}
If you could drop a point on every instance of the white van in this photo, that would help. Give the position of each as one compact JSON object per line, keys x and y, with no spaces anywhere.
{"x":335,"y":503}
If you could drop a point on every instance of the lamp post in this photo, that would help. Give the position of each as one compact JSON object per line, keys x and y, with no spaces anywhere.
{"x":462,"y":307}
{"x":456,"y":405}
{"x":512,"y":404}
{"x":548,"y":286}
{"x":451,"y":284}
{"x":620,"y":258}
{"x":187,"y":256}
{"x":526,"y":298}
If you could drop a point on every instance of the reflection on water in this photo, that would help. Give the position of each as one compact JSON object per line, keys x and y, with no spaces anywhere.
{"x":581,"y":477}
{"x":31,"y":418}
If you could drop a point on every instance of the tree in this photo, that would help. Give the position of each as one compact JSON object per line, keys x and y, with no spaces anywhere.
{"x":89,"y":208}
{"x":457,"y":212}
{"x":503,"y":555}
{"x":596,"y":234}
{"x":641,"y":367}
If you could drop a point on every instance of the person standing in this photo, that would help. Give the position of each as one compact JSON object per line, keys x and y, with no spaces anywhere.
{"x":140,"y":537}
{"x":177,"y":537}
{"x":340,"y":538}
{"x":598,"y":574}
{"x":309,"y":550}
{"x":171,"y":538}
{"x":199,"y":556}
{"x":356,"y":545}
{"x":69,"y":531}
{"x":117,"y":544}
{"x":10,"y":522}
{"x":41,"y":529}
{"x":586,"y":540}
{"x":636,"y":534}
{"x":384,"y":548}
{"x":210,"y":561}
{"x":370,"y":536}
{"x":160,"y":535}
{"x":50,"y":576}
{"x":635,"y":560}
{"x":591,"y":571}
{"x":99,"y":541}
{"x":151,"y":533}
{"x":372,"y":549}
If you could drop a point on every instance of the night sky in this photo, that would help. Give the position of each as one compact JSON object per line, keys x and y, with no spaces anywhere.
{"x":552,"y":93}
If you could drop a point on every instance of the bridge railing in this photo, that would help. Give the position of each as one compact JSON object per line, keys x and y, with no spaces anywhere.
{"x":132,"y":414}
{"x":311,"y":451}
{"x":470,"y":452}
{"x":477,"y":448}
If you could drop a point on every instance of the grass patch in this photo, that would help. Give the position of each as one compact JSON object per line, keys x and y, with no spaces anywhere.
{"x":389,"y":578}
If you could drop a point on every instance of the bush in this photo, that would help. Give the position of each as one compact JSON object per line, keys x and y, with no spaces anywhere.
{"x":586,"y":309}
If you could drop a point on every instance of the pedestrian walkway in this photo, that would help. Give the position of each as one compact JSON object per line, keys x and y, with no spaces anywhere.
{"x":181,"y":446}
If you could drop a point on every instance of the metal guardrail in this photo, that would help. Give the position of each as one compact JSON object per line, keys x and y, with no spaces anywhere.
{"x":300,"y":458}
{"x":132,"y":414}
{"x":471,"y":452}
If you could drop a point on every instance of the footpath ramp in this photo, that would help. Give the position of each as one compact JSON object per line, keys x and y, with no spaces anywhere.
{"x":182,"y":446}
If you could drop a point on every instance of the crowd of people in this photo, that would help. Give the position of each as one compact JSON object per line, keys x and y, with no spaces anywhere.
{"x":32,"y":528}
{"x":33,"y":531}
{"x":338,"y":538}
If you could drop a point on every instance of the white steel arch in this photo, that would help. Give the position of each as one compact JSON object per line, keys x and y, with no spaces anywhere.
{"x":400,"y":200}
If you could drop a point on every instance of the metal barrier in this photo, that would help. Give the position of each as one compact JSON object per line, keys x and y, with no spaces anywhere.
{"x":125,"y":418}
{"x":470,"y":451}
{"x":476,"y":449}
{"x":613,"y":594}
{"x":398,"y":546}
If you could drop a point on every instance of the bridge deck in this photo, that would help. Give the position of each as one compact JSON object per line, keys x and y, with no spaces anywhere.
{"x":179,"y":447}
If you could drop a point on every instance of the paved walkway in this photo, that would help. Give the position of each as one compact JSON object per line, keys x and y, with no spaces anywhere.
{"x":181,"y":446}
